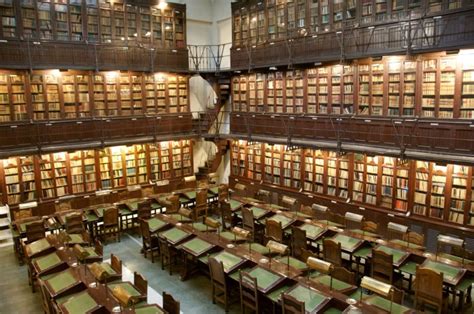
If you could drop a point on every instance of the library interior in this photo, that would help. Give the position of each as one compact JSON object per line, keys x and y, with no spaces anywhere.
{"x":235,"y":156}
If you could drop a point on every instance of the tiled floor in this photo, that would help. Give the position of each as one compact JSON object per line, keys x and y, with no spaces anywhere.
{"x":194,"y":293}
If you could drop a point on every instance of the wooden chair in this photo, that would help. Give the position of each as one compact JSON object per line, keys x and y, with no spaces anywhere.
{"x":248,"y":292}
{"x":144,"y":210}
{"x":111,"y":224}
{"x":339,"y":219}
{"x":201,"y":207}
{"x":226,"y":215}
{"x":22,"y":214}
{"x":345,"y":275}
{"x":264,"y":196}
{"x":332,"y":252}
{"x":248,"y":222}
{"x":413,"y":237}
{"x":273,"y":231}
{"x":370,"y":226}
{"x":147,"y":191}
{"x":141,"y":284}
{"x":382,"y":268}
{"x":116,"y":264}
{"x":62,"y":206}
{"x":298,"y":242}
{"x":220,"y":292}
{"x":98,"y":249}
{"x":429,"y":289}
{"x":290,"y":305}
{"x":305,"y":254}
{"x":308,"y":211}
{"x":74,"y":224}
{"x":150,"y":242}
{"x":223,"y":193}
{"x":172,"y":204}
{"x":35,"y":231}
{"x":170,"y":305}
{"x":168,"y":255}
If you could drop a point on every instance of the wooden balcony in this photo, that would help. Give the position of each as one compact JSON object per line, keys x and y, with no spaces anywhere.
{"x":411,"y":138}
{"x":31,"y":138}
{"x":56,"y":55}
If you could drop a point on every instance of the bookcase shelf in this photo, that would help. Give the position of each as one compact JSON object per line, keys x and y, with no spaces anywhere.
{"x":95,"y":22}
{"x":436,"y":85}
{"x":54,"y":94}
{"x":48,"y":176}
{"x":438,"y":192}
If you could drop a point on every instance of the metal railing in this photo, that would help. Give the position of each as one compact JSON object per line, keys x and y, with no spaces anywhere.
{"x":209,"y":58}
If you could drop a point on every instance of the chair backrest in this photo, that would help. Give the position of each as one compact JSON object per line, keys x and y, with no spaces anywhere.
{"x":45,"y":298}
{"x":290,"y":305}
{"x":339,"y":219}
{"x":298,"y":241}
{"x":147,"y":191}
{"x":140,"y":283}
{"x":305,"y":254}
{"x":144,"y":209}
{"x":345,"y":275}
{"x":145,"y":230}
{"x":62,"y":206}
{"x":370,"y":226}
{"x":248,"y":222}
{"x":398,"y":295}
{"x":116,"y":264}
{"x":248,"y":290}
{"x":264,"y":196}
{"x":413,"y":237}
{"x":223,"y":192}
{"x":201,"y":197}
{"x":226,"y":213}
{"x":274,"y":231}
{"x":164,"y":248}
{"x":382,"y":266}
{"x":173,"y":204}
{"x":35,"y":231}
{"x":111,"y":216}
{"x":216,"y":271}
{"x":22,"y":214}
{"x":332,"y":252}
{"x":74,"y":224}
{"x":170,"y":305}
{"x":307,"y":210}
{"x":429,"y":286}
{"x":99,"y":248}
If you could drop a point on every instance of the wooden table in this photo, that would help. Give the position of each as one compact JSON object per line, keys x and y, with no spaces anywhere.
{"x":266,"y":279}
{"x":313,"y":300}
{"x":386,"y":305}
{"x":175,"y":235}
{"x":283,"y":219}
{"x":452,"y":275}
{"x":63,"y":282}
{"x":193,"y":249}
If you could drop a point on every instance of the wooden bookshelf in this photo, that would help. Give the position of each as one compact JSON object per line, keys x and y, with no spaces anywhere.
{"x":436,"y":85}
{"x":460,"y":176}
{"x":11,"y":174}
{"x":49,"y":176}
{"x":431,"y":191}
{"x":95,"y":22}
{"x":54,"y":94}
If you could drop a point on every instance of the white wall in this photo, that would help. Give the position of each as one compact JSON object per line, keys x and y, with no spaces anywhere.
{"x":208,"y":22}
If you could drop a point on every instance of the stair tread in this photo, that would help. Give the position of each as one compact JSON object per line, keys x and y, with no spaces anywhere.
{"x":5,"y":234}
